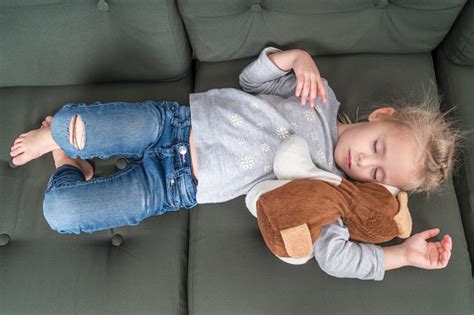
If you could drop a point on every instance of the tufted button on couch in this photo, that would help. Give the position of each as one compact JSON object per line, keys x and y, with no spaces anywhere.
{"x":211,"y":259}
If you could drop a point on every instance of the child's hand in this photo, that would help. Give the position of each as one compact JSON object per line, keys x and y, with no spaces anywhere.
{"x":308,"y":79}
{"x":428,"y":255}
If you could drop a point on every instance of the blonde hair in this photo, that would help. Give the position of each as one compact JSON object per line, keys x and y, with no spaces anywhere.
{"x":435,"y":134}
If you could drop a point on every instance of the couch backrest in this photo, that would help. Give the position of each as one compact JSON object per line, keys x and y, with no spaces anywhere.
{"x":50,"y":42}
{"x":459,"y":44}
{"x":231,"y":29}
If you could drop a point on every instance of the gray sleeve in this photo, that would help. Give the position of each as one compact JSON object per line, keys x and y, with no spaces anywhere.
{"x":262,"y":76}
{"x":339,"y":257}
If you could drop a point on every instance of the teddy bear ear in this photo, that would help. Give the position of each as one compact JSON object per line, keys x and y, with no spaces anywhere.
{"x":403,"y":217}
{"x":298,"y":243}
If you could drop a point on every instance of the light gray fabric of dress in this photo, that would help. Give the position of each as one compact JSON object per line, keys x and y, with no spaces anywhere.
{"x":236,"y":134}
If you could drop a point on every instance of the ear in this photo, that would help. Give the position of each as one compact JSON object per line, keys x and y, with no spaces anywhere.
{"x":297,"y":241}
{"x":381,"y":113}
{"x":403,"y":217}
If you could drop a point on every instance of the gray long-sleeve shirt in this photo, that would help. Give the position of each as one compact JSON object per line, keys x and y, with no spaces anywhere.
{"x":237,"y":133}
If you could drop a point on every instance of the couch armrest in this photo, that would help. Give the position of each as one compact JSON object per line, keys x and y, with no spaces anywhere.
{"x":455,"y":84}
{"x":458,"y":45}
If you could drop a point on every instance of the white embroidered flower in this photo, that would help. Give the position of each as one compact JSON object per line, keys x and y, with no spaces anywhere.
{"x":265,"y":147}
{"x":241,"y":140}
{"x":283,"y":133}
{"x":236,"y":120}
{"x":294,"y":126}
{"x":267,"y":168}
{"x":309,"y":115}
{"x":246,"y":162}
{"x":321,"y":156}
{"x":288,"y":106}
{"x":254,"y":106}
{"x":314,"y":136}
{"x":260,"y":125}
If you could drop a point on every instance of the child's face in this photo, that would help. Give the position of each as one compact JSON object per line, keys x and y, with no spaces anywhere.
{"x":379,"y":151}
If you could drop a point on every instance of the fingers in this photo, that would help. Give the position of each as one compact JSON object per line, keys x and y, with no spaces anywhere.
{"x":429,"y":233}
{"x":308,"y":85}
{"x":443,"y":252}
{"x":322,"y":90}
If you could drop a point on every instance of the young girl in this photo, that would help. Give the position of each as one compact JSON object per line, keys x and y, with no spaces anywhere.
{"x":231,"y":148}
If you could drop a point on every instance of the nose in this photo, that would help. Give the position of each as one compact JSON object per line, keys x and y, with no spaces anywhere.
{"x":364,"y":160}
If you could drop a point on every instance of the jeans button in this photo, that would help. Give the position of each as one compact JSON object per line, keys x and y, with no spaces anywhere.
{"x":182,"y":150}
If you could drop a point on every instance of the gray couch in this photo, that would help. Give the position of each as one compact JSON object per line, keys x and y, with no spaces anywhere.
{"x":211,"y":259}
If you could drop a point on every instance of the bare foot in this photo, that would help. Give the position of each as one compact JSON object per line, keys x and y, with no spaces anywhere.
{"x":61,"y":158}
{"x":31,"y":145}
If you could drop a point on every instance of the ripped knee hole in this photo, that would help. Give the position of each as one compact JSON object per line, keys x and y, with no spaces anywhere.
{"x":77,"y":132}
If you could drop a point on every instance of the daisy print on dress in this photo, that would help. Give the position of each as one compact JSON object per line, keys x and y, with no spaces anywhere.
{"x":294,"y":126}
{"x":314,"y":136}
{"x":236,"y":120}
{"x":310,"y":115}
{"x":241,"y":140}
{"x":283,"y":133}
{"x":265,"y":147}
{"x":254,"y":106}
{"x":247,"y":162}
{"x":321,"y":156}
{"x":288,"y":106}
{"x":267,"y":168}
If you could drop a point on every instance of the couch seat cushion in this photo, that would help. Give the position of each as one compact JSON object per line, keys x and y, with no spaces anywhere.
{"x":129,"y":270}
{"x":232,"y":271}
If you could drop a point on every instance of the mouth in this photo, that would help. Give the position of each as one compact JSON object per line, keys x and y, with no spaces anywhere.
{"x":349,"y":159}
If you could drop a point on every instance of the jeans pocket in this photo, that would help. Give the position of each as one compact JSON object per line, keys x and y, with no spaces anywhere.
{"x":181,"y":191}
{"x":172,"y":193}
{"x":181,"y":118}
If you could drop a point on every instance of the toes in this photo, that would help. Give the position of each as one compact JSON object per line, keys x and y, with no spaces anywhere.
{"x":18,"y":140}
{"x":47,"y":121}
{"x":15,"y":146}
{"x":16,"y":151}
{"x":19,"y":160}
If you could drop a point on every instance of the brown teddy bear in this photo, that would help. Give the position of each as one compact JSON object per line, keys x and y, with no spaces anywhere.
{"x":291,"y":211}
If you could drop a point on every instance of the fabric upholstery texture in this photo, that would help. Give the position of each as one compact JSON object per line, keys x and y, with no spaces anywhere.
{"x":456,"y":83}
{"x":397,"y":26}
{"x":226,"y":257}
{"x":80,"y":42}
{"x":130,"y":270}
{"x":459,"y":44}
{"x":212,"y":259}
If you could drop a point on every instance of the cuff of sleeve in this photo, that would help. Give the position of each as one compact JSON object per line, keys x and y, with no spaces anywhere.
{"x":271,"y":68}
{"x":380,"y":270}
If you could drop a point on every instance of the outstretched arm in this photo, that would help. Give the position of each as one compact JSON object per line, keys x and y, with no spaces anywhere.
{"x":342,"y":258}
{"x":417,"y":252}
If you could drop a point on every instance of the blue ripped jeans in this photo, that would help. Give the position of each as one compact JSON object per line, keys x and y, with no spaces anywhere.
{"x":154,"y":136}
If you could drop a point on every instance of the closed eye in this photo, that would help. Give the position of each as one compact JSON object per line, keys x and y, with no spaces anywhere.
{"x":375,"y":146}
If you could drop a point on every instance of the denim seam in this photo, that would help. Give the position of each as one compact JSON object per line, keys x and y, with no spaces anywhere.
{"x":96,"y":180}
